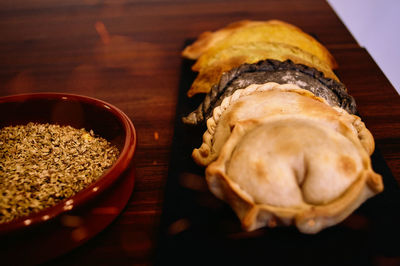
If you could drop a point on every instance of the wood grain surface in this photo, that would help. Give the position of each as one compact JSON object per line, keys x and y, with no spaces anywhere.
{"x":127,"y":53}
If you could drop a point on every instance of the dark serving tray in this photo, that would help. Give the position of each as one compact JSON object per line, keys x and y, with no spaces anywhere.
{"x":198,"y":229}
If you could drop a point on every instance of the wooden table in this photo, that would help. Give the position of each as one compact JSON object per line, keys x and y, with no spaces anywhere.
{"x":127,"y":53}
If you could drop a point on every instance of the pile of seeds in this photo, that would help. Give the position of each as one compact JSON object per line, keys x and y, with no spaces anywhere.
{"x":42,"y":164}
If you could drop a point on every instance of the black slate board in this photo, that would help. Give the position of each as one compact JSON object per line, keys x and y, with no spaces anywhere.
{"x":198,"y":229}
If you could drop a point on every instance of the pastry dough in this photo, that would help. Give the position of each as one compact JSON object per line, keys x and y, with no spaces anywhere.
{"x":247,"y":31}
{"x":268,"y":100}
{"x":212,"y":64}
{"x":292,"y":169}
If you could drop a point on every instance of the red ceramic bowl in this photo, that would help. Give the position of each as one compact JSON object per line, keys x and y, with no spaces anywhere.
{"x":78,"y":111}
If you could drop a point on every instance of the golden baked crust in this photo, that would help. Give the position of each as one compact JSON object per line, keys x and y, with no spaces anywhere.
{"x":259,"y":31}
{"x":214,"y":62}
{"x":269,"y":100}
{"x":292,"y":170}
{"x":208,"y":38}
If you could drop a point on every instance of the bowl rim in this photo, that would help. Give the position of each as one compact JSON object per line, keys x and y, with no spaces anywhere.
{"x":103,"y":183}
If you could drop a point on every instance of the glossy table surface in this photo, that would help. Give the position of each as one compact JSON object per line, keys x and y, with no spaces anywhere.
{"x":127,"y":53}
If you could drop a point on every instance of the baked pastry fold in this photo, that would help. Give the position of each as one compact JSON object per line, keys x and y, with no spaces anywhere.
{"x":293,"y":169}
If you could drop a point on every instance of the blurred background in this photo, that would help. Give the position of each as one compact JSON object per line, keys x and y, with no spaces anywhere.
{"x":374,"y":24}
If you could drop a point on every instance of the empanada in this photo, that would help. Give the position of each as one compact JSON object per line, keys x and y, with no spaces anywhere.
{"x":293,"y":169}
{"x":272,"y":71}
{"x":213,"y":63}
{"x":271,"y":99}
{"x":247,"y":31}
